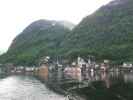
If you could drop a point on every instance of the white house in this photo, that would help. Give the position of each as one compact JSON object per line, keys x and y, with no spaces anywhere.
{"x":127,"y":65}
{"x":80,"y":62}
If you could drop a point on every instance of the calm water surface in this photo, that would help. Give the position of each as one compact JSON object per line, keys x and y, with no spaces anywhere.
{"x":25,"y":88}
{"x":88,"y":86}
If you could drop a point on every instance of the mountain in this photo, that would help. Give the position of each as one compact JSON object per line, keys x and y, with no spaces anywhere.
{"x":106,"y":34}
{"x":40,"y":38}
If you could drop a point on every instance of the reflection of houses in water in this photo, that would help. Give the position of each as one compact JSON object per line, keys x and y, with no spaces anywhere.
{"x":43,"y":71}
{"x":81,"y":70}
{"x":105,"y":65}
{"x":105,"y":78}
{"x":76,"y":69}
{"x":73,"y":72}
{"x":128,"y":77}
{"x":87,"y":79}
{"x":59,"y":68}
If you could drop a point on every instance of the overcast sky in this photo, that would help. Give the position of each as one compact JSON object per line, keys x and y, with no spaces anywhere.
{"x":15,"y":15}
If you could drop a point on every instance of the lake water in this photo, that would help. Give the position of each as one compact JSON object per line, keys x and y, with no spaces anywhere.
{"x":88,"y":86}
{"x":25,"y":88}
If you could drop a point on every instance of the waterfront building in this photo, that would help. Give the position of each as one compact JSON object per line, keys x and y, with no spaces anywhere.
{"x":127,"y":65}
{"x":80,"y":62}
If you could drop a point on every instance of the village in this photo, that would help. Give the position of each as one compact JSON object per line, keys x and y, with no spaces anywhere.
{"x":79,"y":74}
{"x":78,"y":66}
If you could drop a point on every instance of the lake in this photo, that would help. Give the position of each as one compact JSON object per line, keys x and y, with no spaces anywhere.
{"x":23,"y":87}
{"x":60,"y":86}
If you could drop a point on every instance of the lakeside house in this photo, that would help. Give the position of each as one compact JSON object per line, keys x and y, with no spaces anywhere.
{"x":127,"y":65}
{"x":83,"y":66}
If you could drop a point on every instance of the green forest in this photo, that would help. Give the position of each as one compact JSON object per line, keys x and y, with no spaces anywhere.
{"x":105,"y":34}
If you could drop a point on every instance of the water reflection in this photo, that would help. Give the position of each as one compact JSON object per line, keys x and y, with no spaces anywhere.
{"x":25,"y":88}
{"x":107,"y":86}
{"x":95,"y":85}
{"x":128,"y":77}
{"x":88,"y":86}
